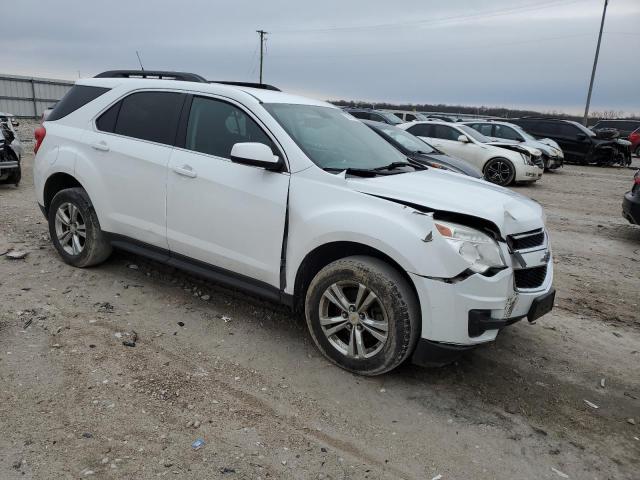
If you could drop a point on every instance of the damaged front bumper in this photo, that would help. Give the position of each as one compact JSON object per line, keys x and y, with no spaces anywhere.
{"x":528,"y":173}
{"x":460,"y":314}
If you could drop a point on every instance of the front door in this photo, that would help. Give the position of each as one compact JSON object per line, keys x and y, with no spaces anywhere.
{"x":222,"y":213}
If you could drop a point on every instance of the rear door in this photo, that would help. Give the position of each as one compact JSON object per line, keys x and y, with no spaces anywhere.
{"x":225,"y":214}
{"x":130,"y":149}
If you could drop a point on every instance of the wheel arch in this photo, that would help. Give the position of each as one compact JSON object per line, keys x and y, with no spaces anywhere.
{"x":55,"y":183}
{"x":323,"y":255}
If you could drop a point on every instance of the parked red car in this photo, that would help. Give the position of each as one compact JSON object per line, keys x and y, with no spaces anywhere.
{"x":634,"y":138}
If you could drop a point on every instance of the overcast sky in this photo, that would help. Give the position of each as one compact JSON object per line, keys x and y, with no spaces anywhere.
{"x":512,"y":53}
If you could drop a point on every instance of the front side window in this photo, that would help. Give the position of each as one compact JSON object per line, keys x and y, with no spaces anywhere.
{"x":151,"y":116}
{"x":215,"y":126}
{"x":361,"y":115}
{"x":421,"y":130}
{"x":445,"y":133}
{"x":332,"y":139}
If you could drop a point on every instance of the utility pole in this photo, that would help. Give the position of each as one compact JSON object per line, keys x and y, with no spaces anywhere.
{"x":139,"y":60}
{"x":263,"y":38}
{"x":595,"y":64}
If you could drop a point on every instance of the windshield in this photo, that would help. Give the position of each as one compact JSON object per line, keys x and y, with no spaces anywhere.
{"x":390,"y":117}
{"x":333,"y":139}
{"x":582,"y":128}
{"x":404,"y":138}
{"x":470,"y":132}
{"x":526,"y":136}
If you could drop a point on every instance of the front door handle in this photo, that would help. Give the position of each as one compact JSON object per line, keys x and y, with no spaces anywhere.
{"x":185,"y":170}
{"x":102,"y":146}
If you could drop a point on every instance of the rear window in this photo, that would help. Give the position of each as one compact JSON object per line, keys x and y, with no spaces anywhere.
{"x":77,"y":97}
{"x":151,"y":116}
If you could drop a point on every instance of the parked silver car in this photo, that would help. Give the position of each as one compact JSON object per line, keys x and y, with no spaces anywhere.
{"x":552,"y":154}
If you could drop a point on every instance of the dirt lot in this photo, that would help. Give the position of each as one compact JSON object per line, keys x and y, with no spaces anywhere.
{"x":243,"y":375}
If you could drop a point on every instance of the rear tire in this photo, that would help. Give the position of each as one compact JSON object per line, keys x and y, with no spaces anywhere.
{"x":499,"y":171}
{"x":75,"y":230}
{"x":362,"y":315}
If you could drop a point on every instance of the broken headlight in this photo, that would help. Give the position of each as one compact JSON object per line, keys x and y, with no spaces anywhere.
{"x":475,"y":247}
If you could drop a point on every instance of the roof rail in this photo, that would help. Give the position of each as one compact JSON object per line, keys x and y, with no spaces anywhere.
{"x":263,"y":86}
{"x":153,"y":74}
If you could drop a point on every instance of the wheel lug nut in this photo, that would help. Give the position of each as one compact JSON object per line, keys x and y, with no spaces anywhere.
{"x":345,"y":314}
{"x":352,"y":308}
{"x":359,"y":327}
{"x":362,"y":316}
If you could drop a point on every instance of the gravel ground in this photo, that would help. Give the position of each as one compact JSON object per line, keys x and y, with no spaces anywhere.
{"x":243,"y":375}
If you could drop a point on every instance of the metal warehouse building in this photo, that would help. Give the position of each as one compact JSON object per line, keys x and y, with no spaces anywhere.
{"x":28,"y":97}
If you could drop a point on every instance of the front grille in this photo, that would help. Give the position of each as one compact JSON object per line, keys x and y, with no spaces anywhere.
{"x":530,"y":277}
{"x":527,"y":240}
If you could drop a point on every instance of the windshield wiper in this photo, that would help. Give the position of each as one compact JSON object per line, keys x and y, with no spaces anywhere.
{"x":361,"y":172}
{"x":393,"y":166}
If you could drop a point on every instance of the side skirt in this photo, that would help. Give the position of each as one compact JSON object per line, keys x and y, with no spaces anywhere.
{"x":200,"y":269}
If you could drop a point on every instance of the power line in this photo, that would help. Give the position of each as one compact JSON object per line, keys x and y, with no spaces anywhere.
{"x":436,"y":21}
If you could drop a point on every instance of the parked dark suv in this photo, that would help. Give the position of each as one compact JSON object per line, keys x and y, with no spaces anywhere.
{"x":625,"y":127}
{"x":579,"y":144}
{"x":375,"y":115}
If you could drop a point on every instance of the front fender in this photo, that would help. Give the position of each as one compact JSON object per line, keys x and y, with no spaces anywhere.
{"x":326,"y":212}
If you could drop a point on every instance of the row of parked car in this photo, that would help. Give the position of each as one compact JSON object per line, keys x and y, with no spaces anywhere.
{"x":609,"y":142}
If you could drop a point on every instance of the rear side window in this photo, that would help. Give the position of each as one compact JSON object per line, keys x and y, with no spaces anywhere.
{"x":151,"y":116}
{"x":77,"y":97}
{"x":215,"y":127}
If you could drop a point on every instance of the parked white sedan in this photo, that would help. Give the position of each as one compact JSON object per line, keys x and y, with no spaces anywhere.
{"x":501,"y":163}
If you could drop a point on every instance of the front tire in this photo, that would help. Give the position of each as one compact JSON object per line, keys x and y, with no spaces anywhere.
{"x":499,"y":171}
{"x":75,"y":230}
{"x":362,"y":315}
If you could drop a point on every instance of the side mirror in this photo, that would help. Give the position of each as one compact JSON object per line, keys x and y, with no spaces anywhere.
{"x":255,"y":154}
{"x":15,"y":123}
{"x":581,"y":136}
{"x":463,"y":139}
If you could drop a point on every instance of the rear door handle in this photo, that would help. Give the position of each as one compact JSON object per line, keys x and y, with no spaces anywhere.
{"x":185,"y":170}
{"x":102,"y":146}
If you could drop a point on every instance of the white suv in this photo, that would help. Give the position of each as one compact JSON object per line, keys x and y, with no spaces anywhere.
{"x":297,"y":201}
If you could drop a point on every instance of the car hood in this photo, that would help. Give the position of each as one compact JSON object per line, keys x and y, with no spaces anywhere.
{"x":452,"y":162}
{"x":443,"y":191}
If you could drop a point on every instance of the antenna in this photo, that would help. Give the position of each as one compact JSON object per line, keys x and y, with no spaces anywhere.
{"x":139,"y":60}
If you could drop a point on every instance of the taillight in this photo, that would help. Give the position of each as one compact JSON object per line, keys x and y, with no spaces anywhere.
{"x":40,"y":132}
{"x":635,"y":136}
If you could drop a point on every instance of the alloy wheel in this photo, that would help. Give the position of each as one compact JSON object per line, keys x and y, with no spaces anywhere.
{"x":353,"y":319}
{"x":70,"y":228}
{"x":498,"y":171}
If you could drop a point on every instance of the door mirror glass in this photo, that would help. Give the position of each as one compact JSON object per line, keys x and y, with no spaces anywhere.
{"x":463,"y":139}
{"x":255,"y":154}
{"x":15,"y":123}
